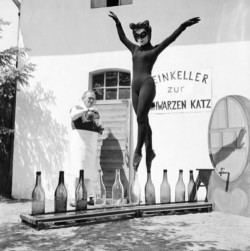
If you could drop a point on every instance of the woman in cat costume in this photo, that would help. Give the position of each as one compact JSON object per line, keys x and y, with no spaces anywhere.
{"x":144,"y":56}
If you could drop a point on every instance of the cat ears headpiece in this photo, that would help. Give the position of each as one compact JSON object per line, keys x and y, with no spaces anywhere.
{"x":143,"y":25}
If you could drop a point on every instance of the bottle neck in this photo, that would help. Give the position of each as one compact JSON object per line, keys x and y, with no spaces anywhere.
{"x":61,"y":177}
{"x":180,"y":175}
{"x":117,"y":176}
{"x":149,"y":175}
{"x":38,"y":178}
{"x":191,"y":176}
{"x":81,"y":178}
{"x":100,"y":181}
{"x":165,"y":175}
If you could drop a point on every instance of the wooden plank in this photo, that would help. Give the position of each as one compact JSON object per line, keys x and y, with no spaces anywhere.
{"x":118,"y":125}
{"x":231,"y":129}
{"x":114,"y":148}
{"x":96,"y":213}
{"x":113,"y":141}
{"x":115,"y":131}
{"x":29,"y":218}
{"x":109,"y":168}
{"x":118,"y":135}
{"x":219,"y":118}
{"x":236,"y":116}
{"x":113,"y":154}
{"x":114,"y":119}
{"x":104,"y":149}
{"x":112,"y":161}
{"x":215,"y":140}
{"x":113,"y":116}
{"x":104,"y":153}
{"x":111,"y":107}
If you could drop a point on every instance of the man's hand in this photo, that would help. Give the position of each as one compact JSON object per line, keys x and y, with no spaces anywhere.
{"x":90,"y":115}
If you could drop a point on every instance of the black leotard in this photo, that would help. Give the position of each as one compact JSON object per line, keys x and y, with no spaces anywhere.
{"x":143,"y":86}
{"x":145,"y":56}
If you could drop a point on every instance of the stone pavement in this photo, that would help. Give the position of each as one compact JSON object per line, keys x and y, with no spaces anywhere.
{"x":200,"y":231}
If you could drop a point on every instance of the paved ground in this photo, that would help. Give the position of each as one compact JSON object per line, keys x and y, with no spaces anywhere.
{"x":201,"y":231}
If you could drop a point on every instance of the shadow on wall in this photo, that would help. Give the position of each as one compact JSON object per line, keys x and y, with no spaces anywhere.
{"x":40,"y":140}
{"x":227,"y":150}
{"x":111,"y":159}
{"x":224,"y":152}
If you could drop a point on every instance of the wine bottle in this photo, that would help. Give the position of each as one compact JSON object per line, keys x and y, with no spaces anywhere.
{"x":135,"y":190}
{"x":149,"y":190}
{"x":180,"y":188}
{"x":192,"y":190}
{"x":117,"y":190}
{"x":100,"y":191}
{"x":81,"y":193}
{"x":38,"y":197}
{"x":61,"y":195}
{"x":165,"y":190}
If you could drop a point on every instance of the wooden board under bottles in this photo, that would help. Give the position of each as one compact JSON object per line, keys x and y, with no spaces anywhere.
{"x":98,"y":214}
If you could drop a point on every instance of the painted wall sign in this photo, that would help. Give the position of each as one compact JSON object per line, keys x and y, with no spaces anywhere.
{"x":182,"y":91}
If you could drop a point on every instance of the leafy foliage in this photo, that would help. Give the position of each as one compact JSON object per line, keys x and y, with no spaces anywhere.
{"x":11,"y":74}
{"x":2,"y":22}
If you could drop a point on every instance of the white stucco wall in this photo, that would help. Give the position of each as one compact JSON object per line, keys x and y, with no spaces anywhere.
{"x":43,"y":125}
{"x":180,"y":139}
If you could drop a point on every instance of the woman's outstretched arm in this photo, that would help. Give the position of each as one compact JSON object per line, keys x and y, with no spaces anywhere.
{"x":121,"y":33}
{"x":166,"y":42}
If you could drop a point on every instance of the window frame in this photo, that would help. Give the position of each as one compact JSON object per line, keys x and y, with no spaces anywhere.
{"x":117,"y":87}
{"x":104,"y":5}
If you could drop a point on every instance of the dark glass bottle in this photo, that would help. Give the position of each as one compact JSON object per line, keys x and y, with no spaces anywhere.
{"x":38,"y":197}
{"x":165,"y":190}
{"x":61,"y":195}
{"x":117,"y":190}
{"x":135,"y":190}
{"x":81,"y":193}
{"x":192,"y":190}
{"x":100,"y":191}
{"x":149,"y":190}
{"x":180,"y":188}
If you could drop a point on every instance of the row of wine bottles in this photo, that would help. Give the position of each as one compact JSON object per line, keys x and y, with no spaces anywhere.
{"x":60,"y":196}
{"x":165,"y":189}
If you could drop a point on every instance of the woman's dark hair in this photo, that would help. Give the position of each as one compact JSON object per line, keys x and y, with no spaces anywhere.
{"x":143,"y":25}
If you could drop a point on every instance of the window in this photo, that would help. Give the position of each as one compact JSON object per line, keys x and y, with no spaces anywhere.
{"x":111,"y":85}
{"x":109,"y":3}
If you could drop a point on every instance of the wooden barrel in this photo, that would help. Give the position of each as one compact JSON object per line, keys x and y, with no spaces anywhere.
{"x":228,"y":136}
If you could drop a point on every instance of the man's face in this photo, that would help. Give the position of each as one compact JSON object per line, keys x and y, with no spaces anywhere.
{"x":89,"y":100}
